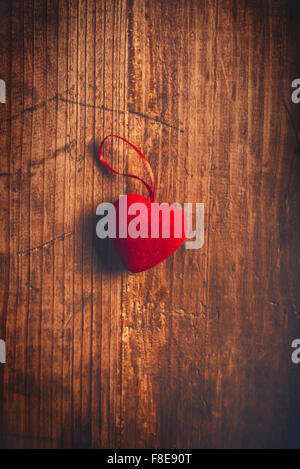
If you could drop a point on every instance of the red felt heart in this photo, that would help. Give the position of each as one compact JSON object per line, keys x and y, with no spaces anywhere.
{"x":142,"y":253}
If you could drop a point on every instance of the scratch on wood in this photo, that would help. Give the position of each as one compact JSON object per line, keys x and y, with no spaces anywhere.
{"x":33,"y":108}
{"x":48,"y":243}
{"x":57,"y":97}
{"x":121,"y":111}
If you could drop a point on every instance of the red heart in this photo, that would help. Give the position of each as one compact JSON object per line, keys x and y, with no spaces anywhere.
{"x":139,"y":254}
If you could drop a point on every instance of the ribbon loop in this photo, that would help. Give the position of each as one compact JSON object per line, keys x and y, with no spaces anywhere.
{"x":150,"y":189}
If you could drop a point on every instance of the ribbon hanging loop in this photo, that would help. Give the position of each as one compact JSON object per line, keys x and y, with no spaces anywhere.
{"x":150,"y":189}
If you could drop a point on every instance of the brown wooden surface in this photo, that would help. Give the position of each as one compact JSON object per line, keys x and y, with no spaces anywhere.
{"x":196,"y":352}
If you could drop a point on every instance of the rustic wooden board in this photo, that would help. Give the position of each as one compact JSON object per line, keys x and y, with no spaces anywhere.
{"x":194,"y":353}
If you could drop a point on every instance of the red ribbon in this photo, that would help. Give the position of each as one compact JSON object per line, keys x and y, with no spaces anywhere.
{"x":150,"y":189}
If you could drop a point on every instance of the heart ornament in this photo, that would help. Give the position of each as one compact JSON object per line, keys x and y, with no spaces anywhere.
{"x":146,"y":233}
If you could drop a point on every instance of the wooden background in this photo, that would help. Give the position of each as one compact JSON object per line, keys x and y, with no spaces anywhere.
{"x":195,"y":353}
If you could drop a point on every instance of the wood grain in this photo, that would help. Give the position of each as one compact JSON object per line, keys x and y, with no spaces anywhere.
{"x":194,"y":353}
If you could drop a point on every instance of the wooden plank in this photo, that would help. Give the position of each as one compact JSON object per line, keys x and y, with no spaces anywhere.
{"x":5,"y":139}
{"x":194,"y":353}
